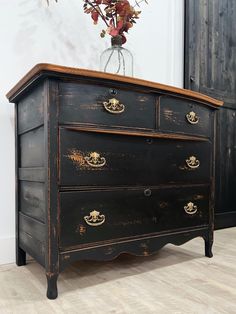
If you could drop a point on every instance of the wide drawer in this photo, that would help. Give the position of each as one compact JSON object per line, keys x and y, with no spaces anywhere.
{"x":182,"y":116}
{"x":90,"y":158}
{"x":95,"y":216}
{"x":95,"y":104}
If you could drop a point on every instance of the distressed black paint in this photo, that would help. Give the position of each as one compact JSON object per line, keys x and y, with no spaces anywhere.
{"x":129,"y":213}
{"x":83,"y":103}
{"x":173,"y":112}
{"x":142,"y":190}
{"x":130,"y":160}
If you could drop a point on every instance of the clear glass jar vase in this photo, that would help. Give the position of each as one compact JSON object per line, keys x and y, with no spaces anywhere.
{"x":117,"y":59}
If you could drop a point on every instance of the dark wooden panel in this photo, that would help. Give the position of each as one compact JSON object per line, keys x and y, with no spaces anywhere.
{"x":226,"y":161}
{"x":82,"y":103}
{"x":129,"y":213}
{"x":32,"y":148}
{"x":33,"y":247}
{"x":225,"y":220}
{"x":210,"y":67}
{"x":173,"y":118}
{"x":51,"y":183}
{"x":32,"y":174}
{"x":32,"y":199}
{"x":20,"y":253}
{"x":33,"y":227}
{"x":130,"y":160}
{"x":210,"y":48}
{"x":30,"y":109}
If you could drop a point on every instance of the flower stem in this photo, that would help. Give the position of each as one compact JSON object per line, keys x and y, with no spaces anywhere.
{"x":99,"y":11}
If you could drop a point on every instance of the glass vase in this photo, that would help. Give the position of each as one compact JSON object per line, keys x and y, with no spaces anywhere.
{"x":117,"y":59}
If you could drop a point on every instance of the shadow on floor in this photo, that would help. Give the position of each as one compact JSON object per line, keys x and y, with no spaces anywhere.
{"x":84,"y":274}
{"x":89,"y":273}
{"x":124,"y":265}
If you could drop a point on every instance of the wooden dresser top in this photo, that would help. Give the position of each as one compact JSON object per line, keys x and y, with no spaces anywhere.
{"x":45,"y":69}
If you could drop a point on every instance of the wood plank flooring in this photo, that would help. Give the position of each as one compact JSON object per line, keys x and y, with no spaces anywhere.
{"x":178,"y":280}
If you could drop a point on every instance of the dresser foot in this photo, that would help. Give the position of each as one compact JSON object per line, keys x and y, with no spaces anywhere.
{"x":52,"y":286}
{"x":208,"y":248}
{"x":20,"y":257}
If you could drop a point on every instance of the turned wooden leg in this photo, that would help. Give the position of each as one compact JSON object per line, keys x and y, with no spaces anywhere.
{"x":52,"y":285}
{"x":20,"y":257}
{"x":208,"y":247}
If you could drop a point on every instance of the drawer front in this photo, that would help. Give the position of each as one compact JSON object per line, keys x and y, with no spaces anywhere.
{"x":95,"y":216}
{"x":183,"y":116}
{"x":94,"y":104}
{"x":89,"y":158}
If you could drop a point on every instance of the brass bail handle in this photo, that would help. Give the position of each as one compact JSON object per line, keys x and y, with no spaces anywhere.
{"x":192,"y":162}
{"x":191,"y":208}
{"x":95,"y":219}
{"x":95,"y":160}
{"x":192,"y":117}
{"x":114,"y":106}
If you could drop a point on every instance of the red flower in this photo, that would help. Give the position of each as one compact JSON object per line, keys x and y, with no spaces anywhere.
{"x":95,"y":16}
{"x":114,"y":31}
{"x":124,"y":8}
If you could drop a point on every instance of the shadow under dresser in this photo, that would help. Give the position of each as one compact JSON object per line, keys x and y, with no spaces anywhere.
{"x":107,"y":164}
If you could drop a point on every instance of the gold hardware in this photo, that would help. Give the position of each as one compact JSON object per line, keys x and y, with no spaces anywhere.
{"x":192,"y":162}
{"x":190,"y":208}
{"x":94,"y":160}
{"x":192,"y":117}
{"x":94,"y":219}
{"x":114,"y":106}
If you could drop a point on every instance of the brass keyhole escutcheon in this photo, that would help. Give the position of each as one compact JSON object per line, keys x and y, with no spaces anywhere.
{"x":147,"y":192}
{"x":113,"y":91}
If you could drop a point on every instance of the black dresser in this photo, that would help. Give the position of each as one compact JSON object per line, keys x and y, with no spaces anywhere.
{"x":108,"y":164}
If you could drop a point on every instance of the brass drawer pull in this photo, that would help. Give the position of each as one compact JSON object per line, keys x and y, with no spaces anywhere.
{"x":192,"y":162}
{"x":190,"y":208}
{"x":114,"y":106}
{"x":94,"y":160}
{"x":94,"y":219}
{"x":192,"y":117}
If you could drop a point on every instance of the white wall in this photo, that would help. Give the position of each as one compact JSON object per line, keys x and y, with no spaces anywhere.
{"x":30,"y":33}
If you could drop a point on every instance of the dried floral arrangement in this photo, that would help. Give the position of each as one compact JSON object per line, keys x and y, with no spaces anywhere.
{"x":118,"y":15}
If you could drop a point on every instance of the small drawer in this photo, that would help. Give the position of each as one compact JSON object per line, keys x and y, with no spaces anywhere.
{"x":90,"y":158}
{"x":95,"y":216}
{"x":108,"y":106}
{"x":183,"y":116}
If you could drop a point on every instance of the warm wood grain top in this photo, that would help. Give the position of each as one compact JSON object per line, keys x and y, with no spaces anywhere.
{"x":46,"y":68}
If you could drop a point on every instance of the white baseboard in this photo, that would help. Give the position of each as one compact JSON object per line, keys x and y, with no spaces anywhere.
{"x":7,"y":249}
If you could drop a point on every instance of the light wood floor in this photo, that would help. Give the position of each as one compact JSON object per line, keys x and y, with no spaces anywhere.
{"x":175,"y":280}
